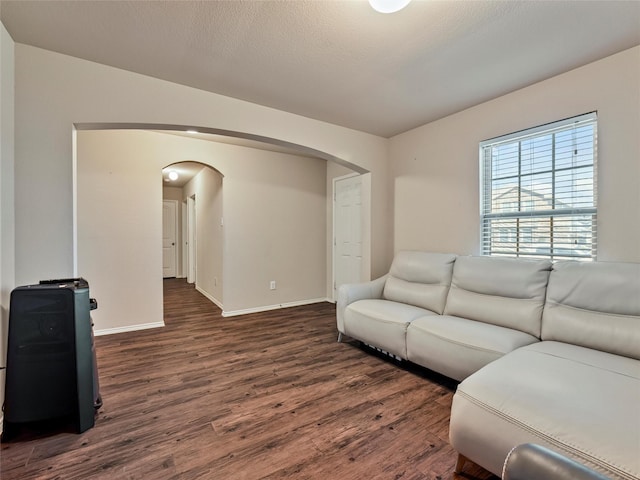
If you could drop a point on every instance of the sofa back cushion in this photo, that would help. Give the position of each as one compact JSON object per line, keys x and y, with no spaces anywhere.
{"x":594,"y":305}
{"x":508,"y":292}
{"x":421,"y":279}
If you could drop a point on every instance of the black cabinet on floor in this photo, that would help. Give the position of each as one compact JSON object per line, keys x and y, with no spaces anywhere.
{"x":51,"y":366}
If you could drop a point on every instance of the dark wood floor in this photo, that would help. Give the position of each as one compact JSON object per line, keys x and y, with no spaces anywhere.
{"x":269,"y":395}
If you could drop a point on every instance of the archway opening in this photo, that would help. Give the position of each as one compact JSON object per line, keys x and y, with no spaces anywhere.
{"x":192,"y":230}
{"x":281,"y":241}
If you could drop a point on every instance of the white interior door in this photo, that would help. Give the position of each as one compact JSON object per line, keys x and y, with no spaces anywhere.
{"x":169,"y":235}
{"x":348,"y":227}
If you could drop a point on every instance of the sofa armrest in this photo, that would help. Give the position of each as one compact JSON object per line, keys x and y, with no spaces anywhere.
{"x":533,"y":462}
{"x":351,"y":292}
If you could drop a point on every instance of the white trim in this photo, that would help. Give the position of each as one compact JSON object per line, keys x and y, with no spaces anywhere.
{"x":74,"y":196}
{"x":266,"y":308}
{"x":184,"y":261}
{"x":210,"y":297}
{"x":128,"y":328}
{"x":191,"y":240}
{"x":177,"y":205}
{"x":541,"y":129}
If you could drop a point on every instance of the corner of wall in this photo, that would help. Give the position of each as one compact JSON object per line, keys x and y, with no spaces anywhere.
{"x":7,"y":204}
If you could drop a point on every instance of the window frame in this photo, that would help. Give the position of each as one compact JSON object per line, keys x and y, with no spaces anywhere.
{"x":488,"y":185}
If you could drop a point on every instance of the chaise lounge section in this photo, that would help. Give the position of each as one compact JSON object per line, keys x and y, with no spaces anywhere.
{"x":576,"y":392}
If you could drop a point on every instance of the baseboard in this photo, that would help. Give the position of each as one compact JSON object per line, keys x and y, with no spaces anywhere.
{"x":266,"y":308}
{"x":128,"y":328}
{"x":210,"y":297}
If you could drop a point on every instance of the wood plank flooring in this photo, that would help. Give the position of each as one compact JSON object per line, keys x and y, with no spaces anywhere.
{"x":262,"y":396}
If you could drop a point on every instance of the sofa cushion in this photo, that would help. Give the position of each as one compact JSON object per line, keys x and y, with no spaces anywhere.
{"x":580,"y":402}
{"x":508,"y":292}
{"x":457,"y":347}
{"x":596,"y":305}
{"x":421,"y":279}
{"x":382,"y":323}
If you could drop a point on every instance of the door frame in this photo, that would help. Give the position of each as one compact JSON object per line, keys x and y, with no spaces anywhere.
{"x":183,"y":239}
{"x":176,"y":243}
{"x":191,"y":235}
{"x":366,"y":195}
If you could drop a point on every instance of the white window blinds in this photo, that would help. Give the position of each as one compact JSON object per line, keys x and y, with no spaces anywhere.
{"x":538,"y":191}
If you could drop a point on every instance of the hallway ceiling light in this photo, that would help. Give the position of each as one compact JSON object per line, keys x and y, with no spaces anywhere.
{"x":388,"y":6}
{"x":173,"y":175}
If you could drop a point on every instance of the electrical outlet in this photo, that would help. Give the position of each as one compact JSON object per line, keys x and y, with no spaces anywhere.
{"x":272,"y":285}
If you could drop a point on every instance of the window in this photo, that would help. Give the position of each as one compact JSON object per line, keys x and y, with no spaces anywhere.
{"x":538,"y":191}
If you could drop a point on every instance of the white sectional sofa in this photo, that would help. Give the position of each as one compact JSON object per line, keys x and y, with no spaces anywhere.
{"x":547,"y":353}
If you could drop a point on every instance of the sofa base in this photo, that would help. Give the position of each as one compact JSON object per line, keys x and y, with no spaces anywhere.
{"x":460,"y":463}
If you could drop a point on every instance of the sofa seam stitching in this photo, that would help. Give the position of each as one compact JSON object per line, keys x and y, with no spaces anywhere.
{"x":463,"y":344}
{"x":531,"y":299}
{"x":573,"y":360}
{"x":554,"y":303}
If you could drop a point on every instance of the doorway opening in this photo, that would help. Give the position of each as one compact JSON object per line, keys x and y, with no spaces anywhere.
{"x":195,"y":190}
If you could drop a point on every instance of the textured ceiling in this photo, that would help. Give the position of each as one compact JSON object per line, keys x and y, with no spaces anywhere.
{"x":337,"y":61}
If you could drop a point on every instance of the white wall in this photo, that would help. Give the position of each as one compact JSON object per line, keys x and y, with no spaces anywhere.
{"x":7,"y":245}
{"x":54,"y":91}
{"x":119,"y":225}
{"x":435,"y":168}
{"x":274,"y":210}
{"x":275,"y":229}
{"x":207,"y":186}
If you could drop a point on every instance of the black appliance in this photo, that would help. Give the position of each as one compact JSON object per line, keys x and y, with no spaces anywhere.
{"x":51,"y":364}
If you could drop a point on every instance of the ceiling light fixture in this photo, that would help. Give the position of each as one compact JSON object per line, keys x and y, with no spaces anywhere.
{"x":388,"y":6}
{"x":192,"y":131}
{"x":173,"y":175}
